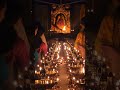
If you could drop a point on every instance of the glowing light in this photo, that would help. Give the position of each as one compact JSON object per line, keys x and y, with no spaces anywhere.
{"x":76,"y":50}
{"x":58,"y":57}
{"x":47,"y":82}
{"x":40,"y":68}
{"x":75,"y":59}
{"x":69,"y":48}
{"x":65,"y":48}
{"x":83,"y":70}
{"x":51,"y":30}
{"x":82,"y":57}
{"x":84,"y":61}
{"x":36,"y":81}
{"x":68,"y":64}
{"x":43,"y":58}
{"x":77,"y":81}
{"x":73,"y":78}
{"x":35,"y":71}
{"x":41,"y":61}
{"x":64,"y":28}
{"x":57,"y":79}
{"x":37,"y":65}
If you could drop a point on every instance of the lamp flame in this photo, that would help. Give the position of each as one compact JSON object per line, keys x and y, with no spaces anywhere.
{"x":64,"y":28}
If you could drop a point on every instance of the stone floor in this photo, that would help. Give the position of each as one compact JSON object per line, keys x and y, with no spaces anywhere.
{"x":63,"y":83}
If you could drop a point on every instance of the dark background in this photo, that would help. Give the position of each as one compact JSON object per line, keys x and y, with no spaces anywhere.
{"x":40,"y":9}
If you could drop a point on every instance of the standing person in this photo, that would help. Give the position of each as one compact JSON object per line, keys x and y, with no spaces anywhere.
{"x":39,"y":40}
{"x":108,"y":39}
{"x":14,"y":55}
{"x":80,"y":40}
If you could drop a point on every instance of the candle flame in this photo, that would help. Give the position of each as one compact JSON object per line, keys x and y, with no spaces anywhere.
{"x":64,"y":28}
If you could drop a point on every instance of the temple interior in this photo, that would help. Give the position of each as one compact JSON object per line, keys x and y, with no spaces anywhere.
{"x":60,"y":45}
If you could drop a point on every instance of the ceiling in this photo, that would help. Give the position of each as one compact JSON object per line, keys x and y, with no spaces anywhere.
{"x":60,"y":1}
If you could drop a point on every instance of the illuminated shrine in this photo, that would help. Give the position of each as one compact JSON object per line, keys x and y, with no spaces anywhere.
{"x":59,"y":44}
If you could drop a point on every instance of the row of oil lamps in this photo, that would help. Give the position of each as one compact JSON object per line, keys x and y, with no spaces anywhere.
{"x":75,"y":67}
{"x":47,"y":67}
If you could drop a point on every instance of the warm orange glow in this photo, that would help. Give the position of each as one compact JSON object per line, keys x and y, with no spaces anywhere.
{"x":64,"y":28}
{"x":83,"y":70}
{"x":60,"y":19}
